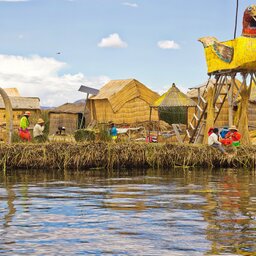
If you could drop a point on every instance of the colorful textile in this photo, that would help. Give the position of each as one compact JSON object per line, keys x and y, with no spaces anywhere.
{"x":113,"y":131}
{"x":232,"y":138}
{"x":224,"y":132}
{"x":25,"y":134}
{"x":210,"y":131}
{"x":236,"y":143}
{"x":114,"y":137}
{"x":24,"y":123}
{"x":235,"y":136}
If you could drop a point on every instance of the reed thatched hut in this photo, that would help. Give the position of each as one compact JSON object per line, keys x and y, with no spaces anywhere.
{"x":122,"y":102}
{"x":72,"y":116}
{"x":19,"y":105}
{"x":173,"y":106}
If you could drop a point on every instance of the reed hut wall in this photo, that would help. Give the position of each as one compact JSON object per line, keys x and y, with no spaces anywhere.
{"x":67,"y":120}
{"x":252,"y":115}
{"x":123,"y":101}
{"x":133,"y":111}
{"x":68,"y":115}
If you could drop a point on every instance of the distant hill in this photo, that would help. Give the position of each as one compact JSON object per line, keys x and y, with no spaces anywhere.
{"x":49,"y":108}
{"x":46,"y":108}
{"x":80,"y":101}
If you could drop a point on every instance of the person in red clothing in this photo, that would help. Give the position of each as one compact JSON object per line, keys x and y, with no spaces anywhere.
{"x":232,"y":137}
{"x":210,"y":131}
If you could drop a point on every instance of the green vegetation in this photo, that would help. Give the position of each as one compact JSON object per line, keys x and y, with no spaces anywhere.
{"x":84,"y":135}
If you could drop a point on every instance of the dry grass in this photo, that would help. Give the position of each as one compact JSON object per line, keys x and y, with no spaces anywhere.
{"x":83,"y":156}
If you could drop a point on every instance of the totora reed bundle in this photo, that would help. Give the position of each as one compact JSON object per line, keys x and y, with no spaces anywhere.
{"x":82,"y":156}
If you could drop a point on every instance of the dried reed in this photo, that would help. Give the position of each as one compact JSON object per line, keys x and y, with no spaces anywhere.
{"x":83,"y":156}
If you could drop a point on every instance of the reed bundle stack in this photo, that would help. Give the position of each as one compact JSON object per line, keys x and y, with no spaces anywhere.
{"x":210,"y":114}
{"x":83,"y":156}
{"x":243,"y":123}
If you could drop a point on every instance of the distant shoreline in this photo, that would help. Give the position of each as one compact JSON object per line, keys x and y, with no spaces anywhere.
{"x":83,"y":156}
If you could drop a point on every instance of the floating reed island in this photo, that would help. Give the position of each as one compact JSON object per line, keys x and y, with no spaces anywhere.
{"x":83,"y":156}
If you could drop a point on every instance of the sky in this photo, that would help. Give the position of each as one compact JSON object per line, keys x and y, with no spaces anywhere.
{"x":48,"y":48}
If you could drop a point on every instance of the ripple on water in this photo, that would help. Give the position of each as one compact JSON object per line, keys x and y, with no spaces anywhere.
{"x":172,"y":213}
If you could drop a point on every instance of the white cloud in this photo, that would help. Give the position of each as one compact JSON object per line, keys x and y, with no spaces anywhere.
{"x":133,"y":5}
{"x":112,"y":41}
{"x":167,"y":44}
{"x":39,"y":77}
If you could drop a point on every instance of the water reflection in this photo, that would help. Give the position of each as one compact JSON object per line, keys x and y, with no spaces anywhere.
{"x":168,"y":212}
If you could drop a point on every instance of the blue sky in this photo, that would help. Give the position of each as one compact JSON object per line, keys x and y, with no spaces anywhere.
{"x":154,"y":41}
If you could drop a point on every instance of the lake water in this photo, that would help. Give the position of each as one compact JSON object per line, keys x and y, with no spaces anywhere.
{"x":168,"y":212}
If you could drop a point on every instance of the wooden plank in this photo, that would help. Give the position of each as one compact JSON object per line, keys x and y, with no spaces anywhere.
{"x":175,"y":128}
{"x":195,"y":117}
{"x":199,"y":108}
{"x":191,"y":125}
{"x":203,"y":100}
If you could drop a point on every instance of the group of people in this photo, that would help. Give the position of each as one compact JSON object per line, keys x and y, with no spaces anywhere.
{"x":227,"y":136}
{"x":38,"y":129}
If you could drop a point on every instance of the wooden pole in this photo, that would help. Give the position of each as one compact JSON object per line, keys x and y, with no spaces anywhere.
{"x":231,"y":103}
{"x":150,"y":113}
{"x":8,"y":115}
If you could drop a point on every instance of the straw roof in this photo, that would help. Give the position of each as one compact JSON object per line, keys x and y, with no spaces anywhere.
{"x":22,"y":102}
{"x":118,"y":92}
{"x":193,"y":92}
{"x":12,"y":92}
{"x":69,"y":108}
{"x":174,"y":98}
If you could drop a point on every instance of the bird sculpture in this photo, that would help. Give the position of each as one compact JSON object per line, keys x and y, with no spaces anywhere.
{"x":238,"y":54}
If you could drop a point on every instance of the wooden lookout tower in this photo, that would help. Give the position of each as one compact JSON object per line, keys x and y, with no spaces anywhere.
{"x":227,"y":61}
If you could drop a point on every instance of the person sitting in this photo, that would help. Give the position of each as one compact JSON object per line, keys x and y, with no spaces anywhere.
{"x":224,"y":132}
{"x":38,"y":131}
{"x":210,"y":131}
{"x":24,"y":124}
{"x":213,"y":141}
{"x":232,"y":137}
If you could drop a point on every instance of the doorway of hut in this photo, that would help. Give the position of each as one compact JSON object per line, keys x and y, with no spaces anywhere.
{"x":174,"y":115}
{"x":81,"y":121}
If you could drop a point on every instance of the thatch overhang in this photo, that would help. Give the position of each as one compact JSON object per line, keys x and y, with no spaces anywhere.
{"x":69,"y":108}
{"x":118,"y":92}
{"x":173,"y":98}
{"x":28,"y":103}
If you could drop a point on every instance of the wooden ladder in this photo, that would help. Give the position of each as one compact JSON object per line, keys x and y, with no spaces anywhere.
{"x":195,"y":130}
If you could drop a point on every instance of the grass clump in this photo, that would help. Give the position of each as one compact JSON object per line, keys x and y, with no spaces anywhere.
{"x":84,"y":135}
